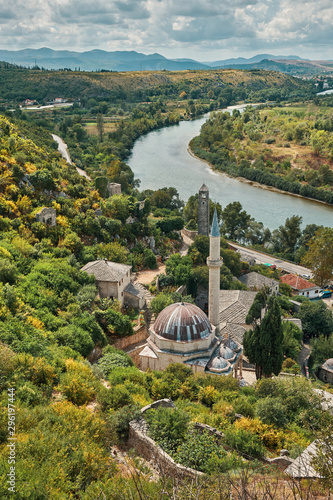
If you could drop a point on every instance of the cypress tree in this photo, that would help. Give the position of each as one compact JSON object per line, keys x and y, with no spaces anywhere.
{"x":263,"y":344}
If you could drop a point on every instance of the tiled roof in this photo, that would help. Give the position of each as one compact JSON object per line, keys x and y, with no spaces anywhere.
{"x":234,"y":332}
{"x":235,"y":305}
{"x":296,"y":282}
{"x":134,"y":290}
{"x":302,"y":468}
{"x":257,"y":280}
{"x":104,"y":270}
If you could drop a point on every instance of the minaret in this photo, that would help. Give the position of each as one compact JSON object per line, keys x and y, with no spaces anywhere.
{"x":214,"y":262}
{"x":203,"y":211}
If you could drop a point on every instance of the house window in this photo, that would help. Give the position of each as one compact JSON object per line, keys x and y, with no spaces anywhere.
{"x":316,"y":291}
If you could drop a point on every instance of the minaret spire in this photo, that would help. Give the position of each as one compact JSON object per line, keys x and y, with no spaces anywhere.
{"x":214,"y":262}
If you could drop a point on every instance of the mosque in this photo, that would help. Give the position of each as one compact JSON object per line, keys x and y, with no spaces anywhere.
{"x":182,"y":333}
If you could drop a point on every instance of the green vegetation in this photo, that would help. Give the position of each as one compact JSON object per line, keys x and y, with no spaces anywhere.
{"x":287,"y":148}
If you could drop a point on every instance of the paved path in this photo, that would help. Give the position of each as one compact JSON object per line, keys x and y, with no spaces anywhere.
{"x":62,"y":148}
{"x":304,"y":353}
{"x":263,"y":258}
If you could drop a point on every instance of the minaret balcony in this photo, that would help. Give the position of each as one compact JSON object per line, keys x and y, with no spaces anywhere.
{"x":214,"y":262}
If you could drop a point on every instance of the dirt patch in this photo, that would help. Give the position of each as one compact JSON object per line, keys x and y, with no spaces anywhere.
{"x":147,"y":276}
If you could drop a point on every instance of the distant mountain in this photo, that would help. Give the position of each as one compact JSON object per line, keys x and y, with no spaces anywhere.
{"x":96,"y":60}
{"x":298,"y":67}
{"x":254,"y":59}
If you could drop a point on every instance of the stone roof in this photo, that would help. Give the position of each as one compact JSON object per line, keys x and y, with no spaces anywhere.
{"x":182,"y":322}
{"x":256,"y":280}
{"x":296,"y":282}
{"x":295,"y":321}
{"x":328,"y":365}
{"x":134,"y":290}
{"x":302,"y":468}
{"x":104,"y":270}
{"x":235,"y":305}
{"x":233,"y":331}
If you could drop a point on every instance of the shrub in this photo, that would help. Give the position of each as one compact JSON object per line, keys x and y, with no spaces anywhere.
{"x":244,"y":442}
{"x":208,"y":395}
{"x":272,"y":411}
{"x":168,"y":427}
{"x":200,"y":451}
{"x":116,"y":397}
{"x":120,"y":419}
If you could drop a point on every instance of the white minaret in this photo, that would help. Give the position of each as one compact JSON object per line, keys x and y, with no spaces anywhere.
{"x":214,"y":262}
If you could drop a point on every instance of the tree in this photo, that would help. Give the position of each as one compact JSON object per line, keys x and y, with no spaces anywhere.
{"x":316,"y":319}
{"x":263,"y":344}
{"x":319,"y":257}
{"x":290,"y":234}
{"x":100,"y":126}
{"x":235,"y":221}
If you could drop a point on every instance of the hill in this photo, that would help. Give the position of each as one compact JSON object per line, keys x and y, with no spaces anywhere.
{"x":19,"y":84}
{"x":295,"y":67}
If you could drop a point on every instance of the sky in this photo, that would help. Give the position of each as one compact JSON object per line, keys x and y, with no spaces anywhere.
{"x":205,"y":30}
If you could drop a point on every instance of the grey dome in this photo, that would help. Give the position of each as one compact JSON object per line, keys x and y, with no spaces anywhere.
{"x":226,"y":352}
{"x":219,"y":363}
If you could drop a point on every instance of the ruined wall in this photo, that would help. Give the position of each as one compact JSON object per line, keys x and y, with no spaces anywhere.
{"x":147,"y":448}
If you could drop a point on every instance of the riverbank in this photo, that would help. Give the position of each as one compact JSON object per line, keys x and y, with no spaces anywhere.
{"x":254,"y":183}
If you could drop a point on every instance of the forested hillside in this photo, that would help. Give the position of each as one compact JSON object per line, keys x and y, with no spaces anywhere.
{"x":18,"y":84}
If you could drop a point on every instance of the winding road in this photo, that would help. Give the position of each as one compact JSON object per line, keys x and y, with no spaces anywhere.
{"x":62,"y":148}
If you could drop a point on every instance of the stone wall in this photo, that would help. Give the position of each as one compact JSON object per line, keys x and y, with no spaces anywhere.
{"x":138,"y":336}
{"x":189,"y":234}
{"x":47,"y":216}
{"x":147,"y":448}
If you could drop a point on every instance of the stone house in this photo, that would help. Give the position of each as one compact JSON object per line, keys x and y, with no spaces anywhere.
{"x":326,"y":371}
{"x":114,"y":280}
{"x":47,"y":216}
{"x":255,"y":282}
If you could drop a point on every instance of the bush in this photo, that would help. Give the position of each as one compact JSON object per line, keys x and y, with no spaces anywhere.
{"x":200,"y":451}
{"x":208,"y":396}
{"x":111,"y":360}
{"x":120,"y":419}
{"x":116,"y":397}
{"x":168,"y":427}
{"x":271,"y":411}
{"x":244,"y":442}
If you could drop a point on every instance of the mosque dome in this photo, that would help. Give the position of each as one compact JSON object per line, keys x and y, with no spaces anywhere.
{"x":226,"y":352}
{"x":182,"y":322}
{"x":232,"y":344}
{"x":328,"y":364}
{"x":219,"y":363}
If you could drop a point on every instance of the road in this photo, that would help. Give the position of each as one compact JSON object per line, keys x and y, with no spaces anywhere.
{"x":263,"y":258}
{"x":62,"y":148}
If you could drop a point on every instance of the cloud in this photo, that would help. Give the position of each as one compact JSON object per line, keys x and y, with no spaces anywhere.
{"x":185,"y":28}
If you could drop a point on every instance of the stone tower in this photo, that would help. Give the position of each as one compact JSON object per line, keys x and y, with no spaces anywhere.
{"x":214,"y":263}
{"x":203,"y":211}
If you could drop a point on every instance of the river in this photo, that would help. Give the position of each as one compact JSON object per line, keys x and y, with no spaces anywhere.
{"x":161,"y":159}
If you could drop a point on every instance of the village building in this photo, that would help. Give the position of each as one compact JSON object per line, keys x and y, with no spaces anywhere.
{"x":113,"y":188}
{"x":301,"y":286}
{"x":114,"y":281}
{"x":47,"y":216}
{"x":255,"y":282}
{"x":326,"y":371}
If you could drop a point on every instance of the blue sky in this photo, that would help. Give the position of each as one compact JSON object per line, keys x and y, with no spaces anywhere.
{"x":204,"y":30}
